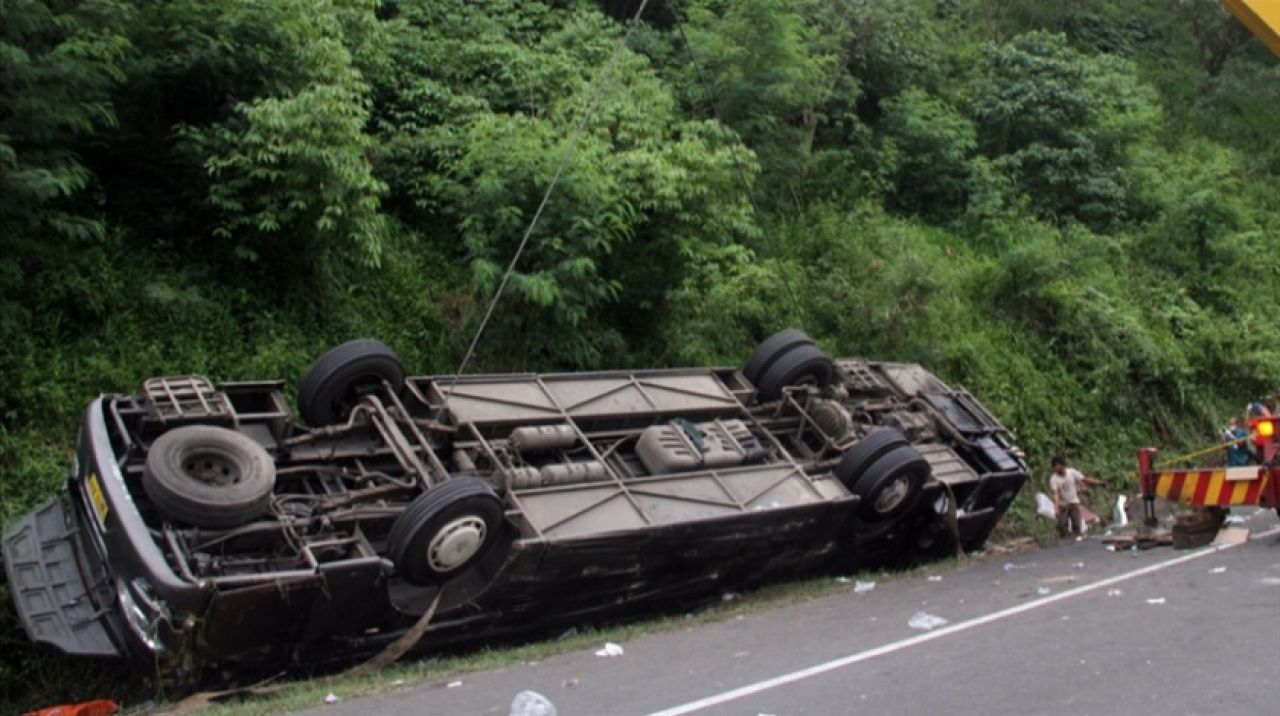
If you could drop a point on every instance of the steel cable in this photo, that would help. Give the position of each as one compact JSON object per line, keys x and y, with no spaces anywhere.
{"x":597,"y":92}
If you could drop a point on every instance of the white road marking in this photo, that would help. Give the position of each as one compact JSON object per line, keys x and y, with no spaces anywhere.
{"x":844,"y":661}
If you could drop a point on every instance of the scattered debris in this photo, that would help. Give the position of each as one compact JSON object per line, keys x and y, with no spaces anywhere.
{"x":935,"y":578}
{"x":1120,"y":517}
{"x":98,"y":707}
{"x":1233,"y":535}
{"x":728,"y":596}
{"x":1148,"y":540}
{"x":1196,"y":528}
{"x":610,"y":650}
{"x":1233,"y":519}
{"x":1061,"y":579}
{"x":1270,"y":581}
{"x":532,"y":703}
{"x":1088,"y":519}
{"x":1217,"y":570}
{"x":1156,"y":600}
{"x":1115,"y":593}
{"x":1014,"y":546}
{"x":1042,"y":591}
{"x":740,"y":654}
{"x":863,"y":587}
{"x":843,"y":580}
{"x":1044,"y":506}
{"x":453,"y":684}
{"x":332,"y":698}
{"x":924,"y":621}
{"x":1078,"y":565}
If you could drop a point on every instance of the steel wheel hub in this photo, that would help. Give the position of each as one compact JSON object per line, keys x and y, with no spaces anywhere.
{"x":212,"y":468}
{"x":893,"y":495}
{"x":455,"y":543}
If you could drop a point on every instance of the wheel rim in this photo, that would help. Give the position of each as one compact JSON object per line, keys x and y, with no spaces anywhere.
{"x":892,"y":495}
{"x":212,"y":468}
{"x":455,"y":543}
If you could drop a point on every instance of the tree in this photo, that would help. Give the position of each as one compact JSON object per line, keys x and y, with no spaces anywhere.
{"x":644,"y":196}
{"x":290,"y":171}
{"x":767,"y":76}
{"x":1061,"y":124}
{"x":58,"y":65}
{"x":934,"y":146}
{"x":1218,"y":35}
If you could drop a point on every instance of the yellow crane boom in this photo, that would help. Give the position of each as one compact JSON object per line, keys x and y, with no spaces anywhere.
{"x":1262,"y":17}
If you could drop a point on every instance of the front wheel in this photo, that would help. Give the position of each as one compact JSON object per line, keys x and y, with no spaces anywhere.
{"x":447,"y":529}
{"x":337,"y":379}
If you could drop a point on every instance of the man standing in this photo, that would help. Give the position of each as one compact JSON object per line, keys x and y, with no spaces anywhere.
{"x":1236,"y":438}
{"x":1065,"y":483}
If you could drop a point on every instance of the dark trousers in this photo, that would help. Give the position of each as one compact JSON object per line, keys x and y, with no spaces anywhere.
{"x":1069,"y":517}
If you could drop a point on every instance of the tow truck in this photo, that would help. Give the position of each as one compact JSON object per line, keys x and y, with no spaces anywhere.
{"x":1217,"y":488}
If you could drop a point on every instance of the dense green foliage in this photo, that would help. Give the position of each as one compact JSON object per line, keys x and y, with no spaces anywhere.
{"x":1068,"y":207}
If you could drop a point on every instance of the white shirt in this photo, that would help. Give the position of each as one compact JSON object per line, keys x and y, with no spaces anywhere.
{"x":1067,"y":485}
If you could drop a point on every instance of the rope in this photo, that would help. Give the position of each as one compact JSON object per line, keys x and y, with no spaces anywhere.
{"x":566,"y":156}
{"x":1170,"y":462}
{"x":1199,"y":453}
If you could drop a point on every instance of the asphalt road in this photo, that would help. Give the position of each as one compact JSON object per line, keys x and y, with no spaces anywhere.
{"x":1072,"y":629}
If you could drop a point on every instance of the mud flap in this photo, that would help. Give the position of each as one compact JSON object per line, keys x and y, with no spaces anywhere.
{"x":47,"y":587}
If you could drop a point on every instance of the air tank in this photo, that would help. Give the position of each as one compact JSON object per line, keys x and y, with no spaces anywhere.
{"x":568,"y":473}
{"x":539,"y":438}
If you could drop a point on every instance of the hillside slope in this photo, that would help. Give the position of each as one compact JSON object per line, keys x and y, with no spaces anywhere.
{"x":1068,"y":207}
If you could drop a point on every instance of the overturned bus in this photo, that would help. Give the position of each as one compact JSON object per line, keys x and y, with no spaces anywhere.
{"x":209,"y":524}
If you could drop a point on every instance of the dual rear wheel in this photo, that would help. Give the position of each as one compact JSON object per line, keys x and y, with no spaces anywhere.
{"x":886,"y":472}
{"x":883,"y":469}
{"x":786,"y":359}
